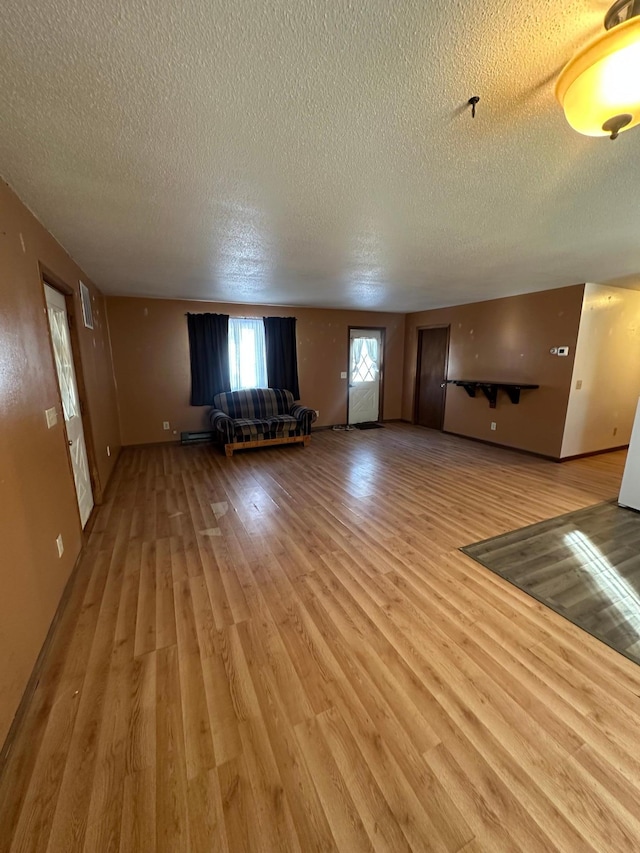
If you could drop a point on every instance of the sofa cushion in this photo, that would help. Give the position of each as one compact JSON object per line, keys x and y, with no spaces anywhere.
{"x":262,"y":403}
{"x":250,"y":429}
{"x":283,"y":425}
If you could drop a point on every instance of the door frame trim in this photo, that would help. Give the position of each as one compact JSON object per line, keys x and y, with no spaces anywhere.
{"x":416,"y":386}
{"x":383,"y":343}
{"x":56,"y":283}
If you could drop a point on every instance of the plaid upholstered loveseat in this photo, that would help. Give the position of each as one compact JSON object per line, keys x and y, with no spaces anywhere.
{"x":258,"y":417}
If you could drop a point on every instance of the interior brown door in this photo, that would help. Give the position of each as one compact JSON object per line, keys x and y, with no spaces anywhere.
{"x":433,"y":352}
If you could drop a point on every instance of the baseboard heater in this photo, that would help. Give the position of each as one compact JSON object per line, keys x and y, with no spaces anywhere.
{"x":196,"y":437}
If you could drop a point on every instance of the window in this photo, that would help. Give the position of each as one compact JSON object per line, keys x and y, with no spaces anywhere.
{"x":364,"y":357}
{"x":247,"y":353}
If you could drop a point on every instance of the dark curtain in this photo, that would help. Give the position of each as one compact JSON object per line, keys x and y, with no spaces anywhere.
{"x":282,"y":353}
{"x":209,"y":348}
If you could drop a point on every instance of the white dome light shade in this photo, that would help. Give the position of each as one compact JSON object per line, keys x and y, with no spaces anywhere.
{"x":599,"y":89}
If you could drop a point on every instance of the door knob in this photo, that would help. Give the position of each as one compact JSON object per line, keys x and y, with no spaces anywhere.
{"x":70,"y":442}
{"x":442,"y":384}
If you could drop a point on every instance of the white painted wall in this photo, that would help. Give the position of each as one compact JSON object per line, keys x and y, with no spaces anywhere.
{"x":607,"y":365}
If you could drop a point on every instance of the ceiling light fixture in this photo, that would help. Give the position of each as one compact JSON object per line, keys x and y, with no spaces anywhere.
{"x":599,"y":89}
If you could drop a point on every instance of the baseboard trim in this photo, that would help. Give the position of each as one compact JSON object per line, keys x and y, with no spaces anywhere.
{"x":34,"y":678}
{"x":173,"y":443}
{"x":502,"y":446}
{"x":593,"y":453}
{"x":533,"y":452}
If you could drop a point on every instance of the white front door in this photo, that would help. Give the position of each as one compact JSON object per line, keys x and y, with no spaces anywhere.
{"x":365,"y":355}
{"x":58,"y":324}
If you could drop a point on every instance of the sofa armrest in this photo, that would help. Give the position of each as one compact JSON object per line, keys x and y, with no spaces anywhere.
{"x":305,"y":417}
{"x":221,"y":422}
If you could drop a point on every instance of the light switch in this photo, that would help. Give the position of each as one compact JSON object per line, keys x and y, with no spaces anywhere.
{"x":52,"y":417}
{"x":343,"y":375}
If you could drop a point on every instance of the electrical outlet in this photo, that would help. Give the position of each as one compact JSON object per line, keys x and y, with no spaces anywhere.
{"x":317,"y":413}
{"x":493,"y":425}
{"x":165,"y":425}
{"x":108,"y":450}
{"x":60,"y":545}
{"x":578,"y":384}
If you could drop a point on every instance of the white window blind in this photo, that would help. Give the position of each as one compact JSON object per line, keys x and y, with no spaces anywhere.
{"x":247,"y":353}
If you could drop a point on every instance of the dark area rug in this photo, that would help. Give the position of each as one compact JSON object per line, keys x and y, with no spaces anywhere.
{"x":584,"y":565}
{"x":369,"y":425}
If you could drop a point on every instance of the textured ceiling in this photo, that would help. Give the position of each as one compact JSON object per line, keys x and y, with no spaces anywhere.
{"x":314,"y":152}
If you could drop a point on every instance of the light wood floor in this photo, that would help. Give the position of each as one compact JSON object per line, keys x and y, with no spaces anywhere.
{"x":285,"y":651}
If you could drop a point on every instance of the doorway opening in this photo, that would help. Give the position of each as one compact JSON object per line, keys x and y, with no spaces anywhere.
{"x":69,"y":399}
{"x":366,"y":375}
{"x":431,"y":376}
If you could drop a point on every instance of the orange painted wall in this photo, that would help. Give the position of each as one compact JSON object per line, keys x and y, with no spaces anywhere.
{"x":151,"y":361}
{"x":37,"y":497}
{"x":505,"y":339}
